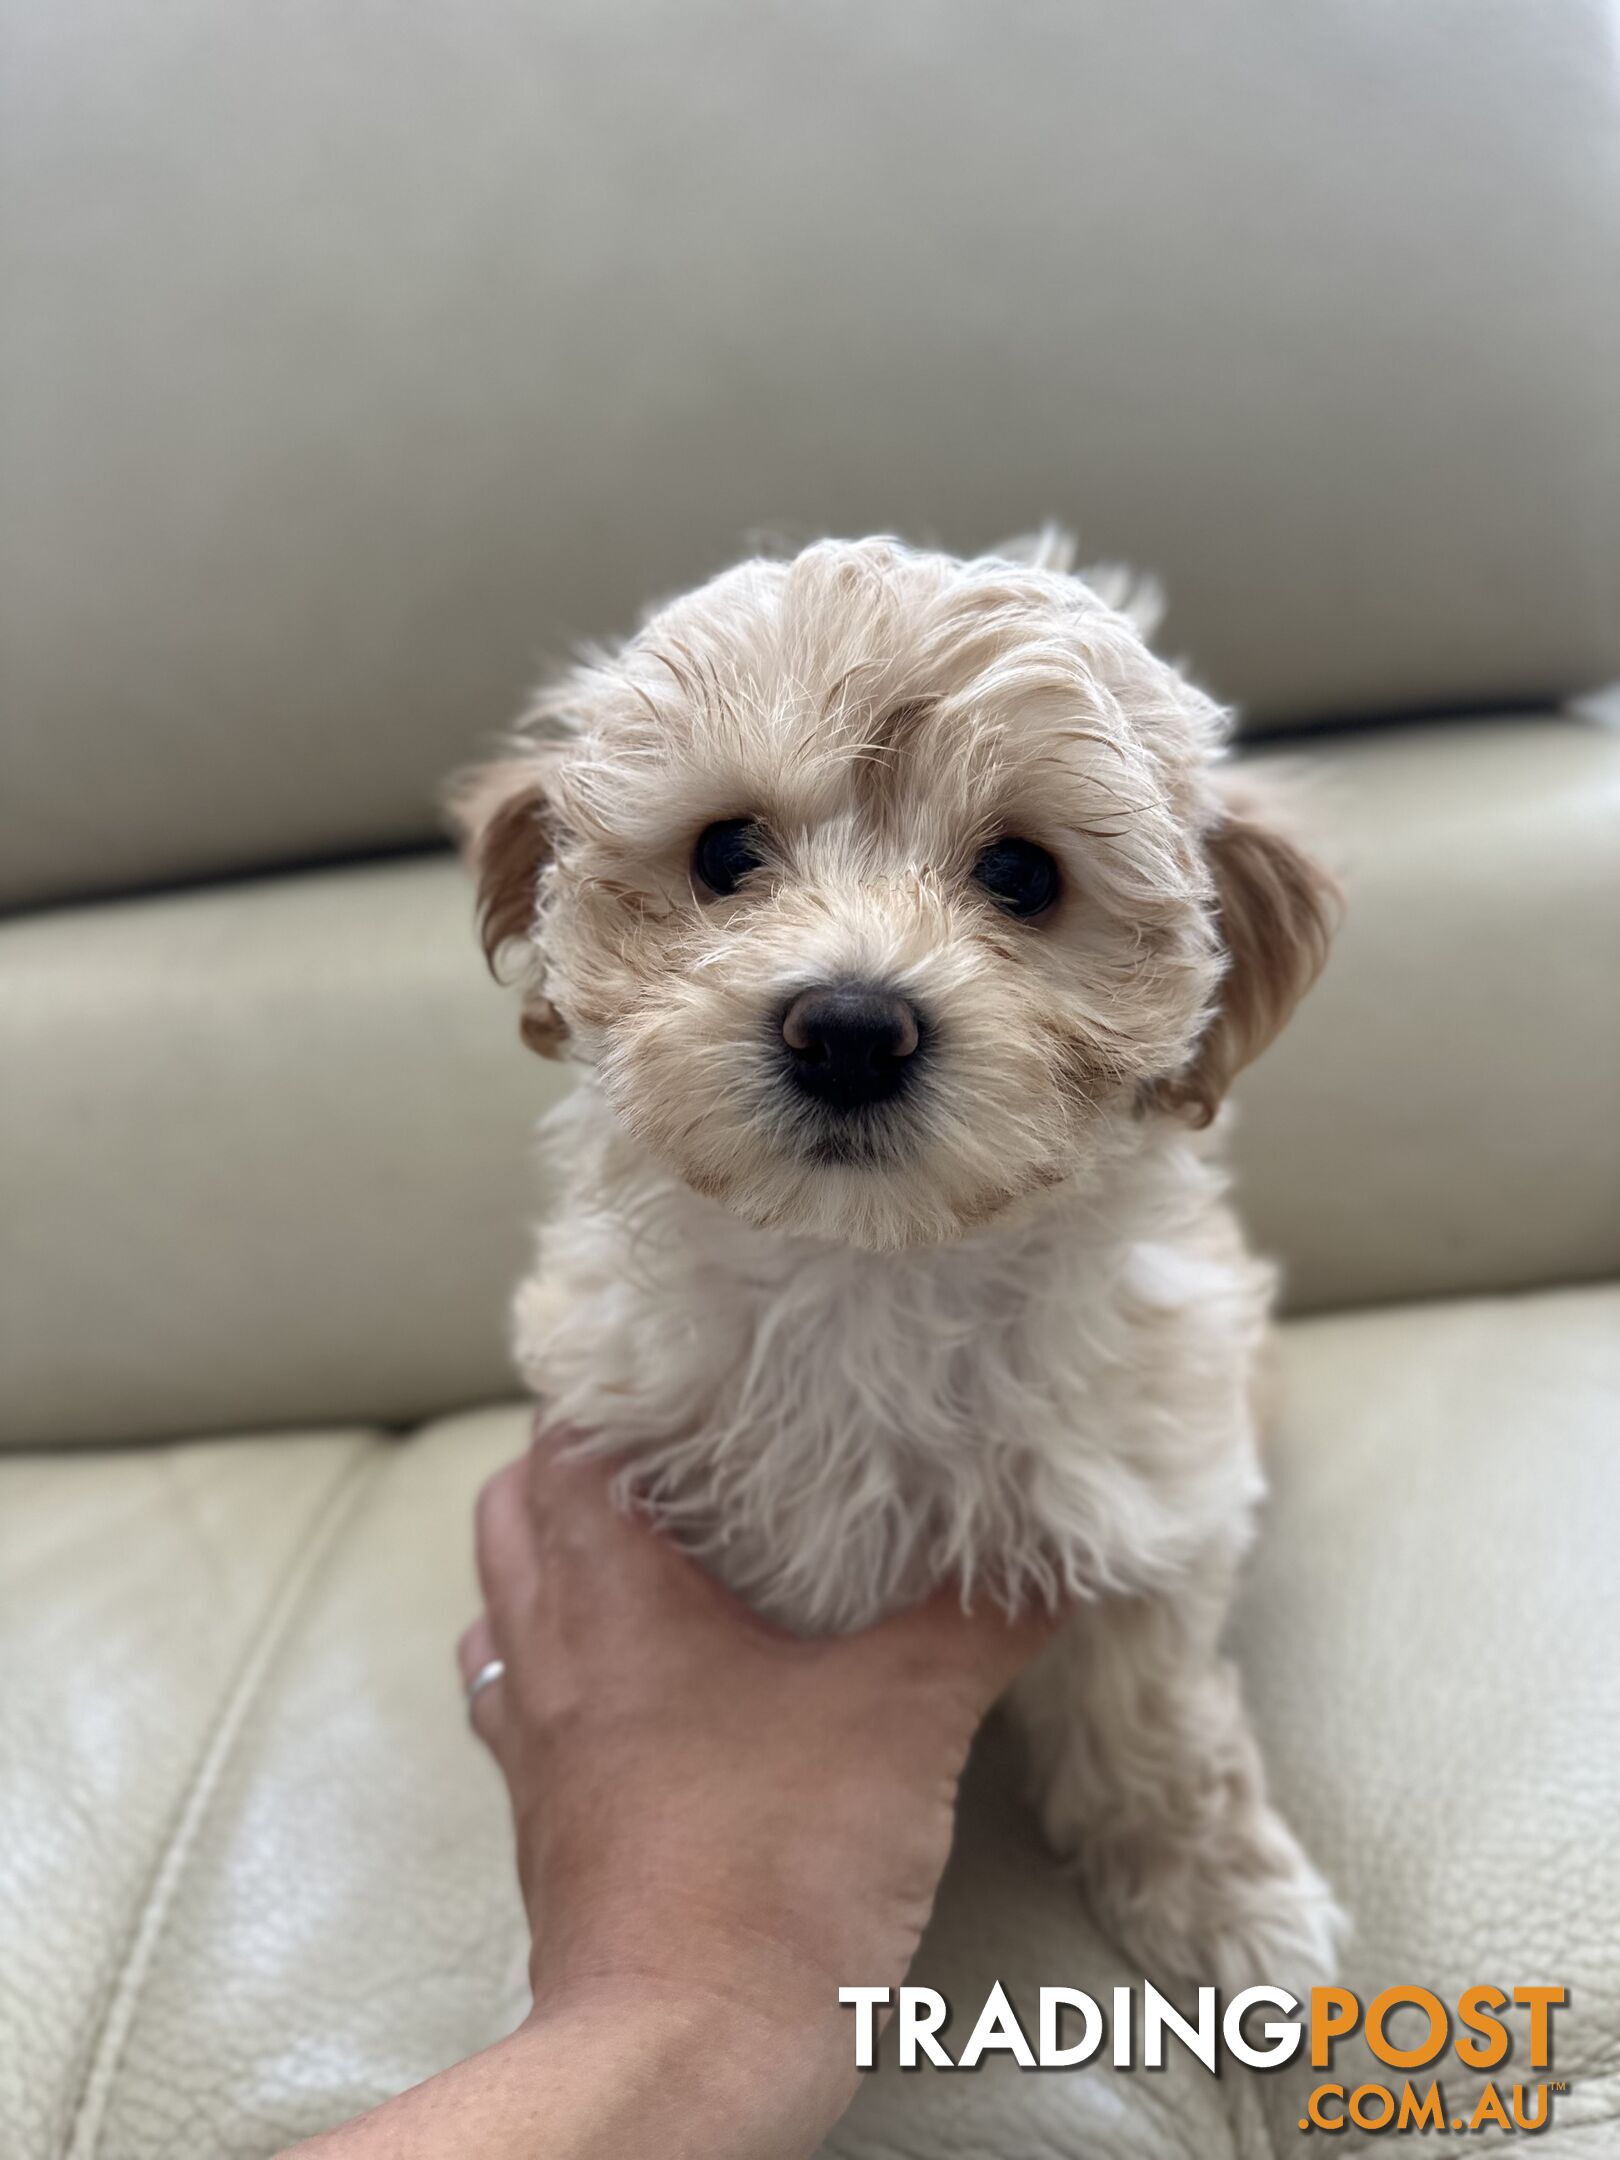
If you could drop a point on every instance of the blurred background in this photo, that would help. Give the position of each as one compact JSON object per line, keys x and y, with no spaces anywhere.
{"x":360,"y":357}
{"x":359,"y":360}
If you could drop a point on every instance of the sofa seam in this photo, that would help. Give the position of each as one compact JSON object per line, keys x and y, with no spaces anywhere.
{"x":337,"y":1503}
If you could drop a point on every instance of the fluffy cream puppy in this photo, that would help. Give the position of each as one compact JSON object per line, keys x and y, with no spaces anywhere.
{"x":898,"y":917}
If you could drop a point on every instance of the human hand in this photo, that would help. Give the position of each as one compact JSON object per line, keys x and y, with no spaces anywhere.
{"x":715,"y":1820}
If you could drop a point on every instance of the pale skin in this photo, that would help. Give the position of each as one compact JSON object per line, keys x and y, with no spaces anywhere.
{"x":717,"y":1826}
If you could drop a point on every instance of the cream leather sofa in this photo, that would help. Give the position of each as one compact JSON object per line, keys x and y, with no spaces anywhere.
{"x":354,"y":359}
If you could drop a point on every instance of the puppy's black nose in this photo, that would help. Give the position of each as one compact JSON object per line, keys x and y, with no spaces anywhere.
{"x":849,"y":1043}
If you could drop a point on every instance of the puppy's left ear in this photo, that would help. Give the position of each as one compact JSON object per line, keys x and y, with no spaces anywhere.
{"x":502,"y":815}
{"x":1276,"y":911}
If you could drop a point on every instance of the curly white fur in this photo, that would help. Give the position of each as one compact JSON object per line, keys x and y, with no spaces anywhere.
{"x":1008,"y":1338}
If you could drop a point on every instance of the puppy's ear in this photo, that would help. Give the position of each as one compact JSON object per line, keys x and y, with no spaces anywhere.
{"x":1276,"y":911}
{"x":502,"y":815}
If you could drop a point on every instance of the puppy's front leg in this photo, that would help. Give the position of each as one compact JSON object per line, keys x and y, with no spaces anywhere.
{"x":1148,"y":1778}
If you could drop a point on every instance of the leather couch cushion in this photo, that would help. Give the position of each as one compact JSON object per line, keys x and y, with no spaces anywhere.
{"x":268,"y":1152}
{"x":144,"y":1596}
{"x":406,"y":351}
{"x":1427,"y":1637}
{"x":256,"y":1874}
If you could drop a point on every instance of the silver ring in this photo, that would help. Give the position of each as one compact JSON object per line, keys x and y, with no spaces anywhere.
{"x":485,"y":1676}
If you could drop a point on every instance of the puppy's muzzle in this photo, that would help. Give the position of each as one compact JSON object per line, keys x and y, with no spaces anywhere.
{"x":850,"y":1044}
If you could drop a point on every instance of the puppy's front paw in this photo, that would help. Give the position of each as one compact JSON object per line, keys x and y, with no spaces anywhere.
{"x":1283,"y":1929}
{"x":1149,"y":1780}
{"x":1236,"y":1903}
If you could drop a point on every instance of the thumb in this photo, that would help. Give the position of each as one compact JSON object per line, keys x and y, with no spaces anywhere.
{"x":982,"y":1644}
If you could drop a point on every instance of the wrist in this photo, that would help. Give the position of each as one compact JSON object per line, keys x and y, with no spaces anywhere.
{"x":735,"y":2078}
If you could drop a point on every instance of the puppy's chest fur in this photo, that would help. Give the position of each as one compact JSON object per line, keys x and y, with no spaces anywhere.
{"x":1059,"y":1403}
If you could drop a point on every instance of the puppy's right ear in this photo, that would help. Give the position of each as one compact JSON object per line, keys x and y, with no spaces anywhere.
{"x":502,"y":815}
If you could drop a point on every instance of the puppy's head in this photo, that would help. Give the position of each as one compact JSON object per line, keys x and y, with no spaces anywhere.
{"x":881,"y":889}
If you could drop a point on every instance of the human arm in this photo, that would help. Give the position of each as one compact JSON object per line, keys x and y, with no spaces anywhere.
{"x":717,"y":1826}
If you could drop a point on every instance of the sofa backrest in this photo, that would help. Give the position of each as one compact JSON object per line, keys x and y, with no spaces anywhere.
{"x":357,"y":360}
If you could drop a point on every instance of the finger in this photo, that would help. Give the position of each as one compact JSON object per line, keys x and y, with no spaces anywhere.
{"x":1002,"y":1646}
{"x":594,"y":1547}
{"x":475,"y":1649}
{"x":486,"y":1714}
{"x":486,"y":1710}
{"x":981,"y":1643}
{"x":505,"y":1548}
{"x":582,"y":1523}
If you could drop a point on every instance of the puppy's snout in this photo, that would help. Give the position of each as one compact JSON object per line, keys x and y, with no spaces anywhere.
{"x":850,"y":1043}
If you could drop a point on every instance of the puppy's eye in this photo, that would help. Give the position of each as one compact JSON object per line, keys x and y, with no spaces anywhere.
{"x":725,"y":853}
{"x":1022,"y":876}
